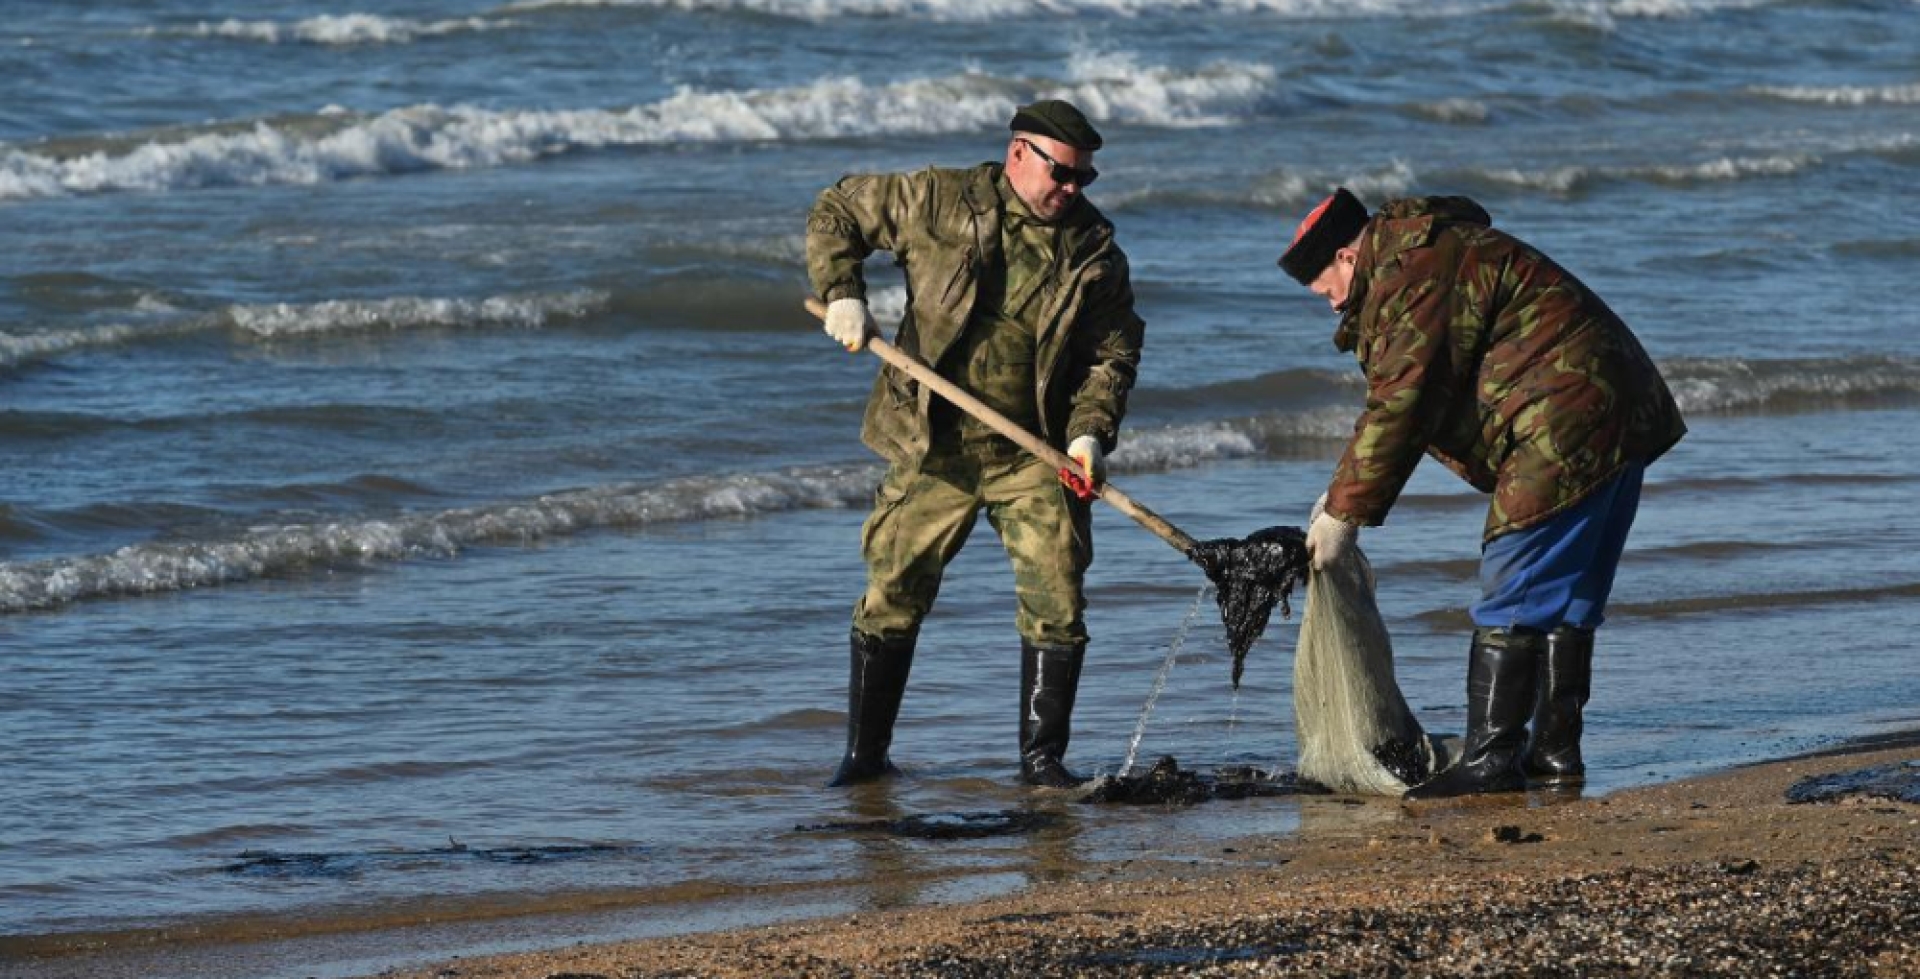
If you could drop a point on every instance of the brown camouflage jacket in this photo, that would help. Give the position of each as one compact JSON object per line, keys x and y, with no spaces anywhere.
{"x":943,"y":227}
{"x":1483,"y":353}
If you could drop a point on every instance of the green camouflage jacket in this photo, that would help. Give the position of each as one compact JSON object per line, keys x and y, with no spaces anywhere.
{"x":1480,"y":351}
{"x":943,"y":228}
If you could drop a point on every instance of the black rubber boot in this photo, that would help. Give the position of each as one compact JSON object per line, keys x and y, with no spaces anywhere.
{"x":1566,"y":680}
{"x":874,"y":689}
{"x":1049,"y":678}
{"x":1501,"y":667}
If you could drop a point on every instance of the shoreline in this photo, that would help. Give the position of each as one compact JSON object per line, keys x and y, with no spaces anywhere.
{"x":1637,"y":881}
{"x":1714,"y":875}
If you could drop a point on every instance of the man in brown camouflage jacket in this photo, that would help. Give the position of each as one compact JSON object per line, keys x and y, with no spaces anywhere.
{"x":1482,"y":352}
{"x":1017,"y":293}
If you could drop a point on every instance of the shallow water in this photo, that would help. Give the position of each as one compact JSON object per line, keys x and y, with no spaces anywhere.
{"x":414,"y":438}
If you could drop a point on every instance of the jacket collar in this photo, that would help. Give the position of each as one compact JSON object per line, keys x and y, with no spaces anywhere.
{"x":1080,"y":228}
{"x":1397,"y":227}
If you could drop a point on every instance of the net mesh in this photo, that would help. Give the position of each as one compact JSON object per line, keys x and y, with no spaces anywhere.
{"x":1356,"y":732}
{"x":1250,"y":576}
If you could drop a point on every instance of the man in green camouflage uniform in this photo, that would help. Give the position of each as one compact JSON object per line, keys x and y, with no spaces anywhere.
{"x":1017,"y":293}
{"x":1480,"y":351}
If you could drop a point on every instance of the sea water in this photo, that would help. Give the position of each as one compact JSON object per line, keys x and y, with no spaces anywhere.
{"x":414,"y":440}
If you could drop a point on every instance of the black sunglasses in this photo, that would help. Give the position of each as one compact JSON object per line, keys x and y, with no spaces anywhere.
{"x":1063,"y":174}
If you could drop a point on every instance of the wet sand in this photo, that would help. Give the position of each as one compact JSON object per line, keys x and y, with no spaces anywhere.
{"x":1714,"y":876}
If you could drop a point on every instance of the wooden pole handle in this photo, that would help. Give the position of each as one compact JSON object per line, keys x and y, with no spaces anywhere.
{"x":1021,"y":437}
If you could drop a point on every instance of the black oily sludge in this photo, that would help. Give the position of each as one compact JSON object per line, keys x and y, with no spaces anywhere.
{"x":1898,"y":782}
{"x":944,"y":825}
{"x":268,"y":863}
{"x":1250,"y":576}
{"x":1166,"y":783}
{"x":1411,"y":762}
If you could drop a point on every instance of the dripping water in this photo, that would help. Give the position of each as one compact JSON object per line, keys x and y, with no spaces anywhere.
{"x":1160,"y":679}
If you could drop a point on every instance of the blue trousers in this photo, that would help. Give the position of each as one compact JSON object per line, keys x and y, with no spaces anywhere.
{"x":1560,"y":572}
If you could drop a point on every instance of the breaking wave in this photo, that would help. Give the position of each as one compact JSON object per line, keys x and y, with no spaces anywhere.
{"x":332,"y":29}
{"x":1576,"y":179}
{"x":1284,"y":189}
{"x":1604,"y":15}
{"x":970,"y":11}
{"x":1321,"y":404}
{"x":336,"y":145}
{"x":1287,"y":190}
{"x":1259,"y":436}
{"x":1733,"y":384}
{"x":17,"y":349}
{"x":292,"y":548}
{"x":1844,"y":94}
{"x":522,"y":311}
{"x":266,"y":551}
{"x":288,"y":320}
{"x":1785,"y":162}
{"x":1458,"y":111}
{"x":1592,"y":12}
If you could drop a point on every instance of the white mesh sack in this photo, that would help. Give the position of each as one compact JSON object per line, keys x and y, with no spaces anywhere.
{"x":1356,"y":732}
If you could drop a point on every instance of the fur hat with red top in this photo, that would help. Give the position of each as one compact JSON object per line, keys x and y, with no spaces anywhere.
{"x":1327,"y":229}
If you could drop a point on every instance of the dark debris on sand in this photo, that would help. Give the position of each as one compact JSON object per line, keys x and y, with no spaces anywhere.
{"x":1898,"y":782}
{"x":1166,"y":783}
{"x":1805,"y":921}
{"x":944,"y":825}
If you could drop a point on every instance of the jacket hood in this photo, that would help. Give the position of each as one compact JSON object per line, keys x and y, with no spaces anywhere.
{"x":1412,"y":222}
{"x":1461,"y":210}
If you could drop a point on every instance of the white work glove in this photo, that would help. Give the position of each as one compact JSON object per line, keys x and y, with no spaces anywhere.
{"x":1328,"y":538}
{"x":850,"y":323}
{"x":1319,"y":507}
{"x":1086,"y":451}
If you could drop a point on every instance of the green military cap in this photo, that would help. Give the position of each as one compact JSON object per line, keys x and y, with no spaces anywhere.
{"x":1059,"y":120}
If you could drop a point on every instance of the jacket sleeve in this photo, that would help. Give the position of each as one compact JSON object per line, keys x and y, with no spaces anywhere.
{"x":855,"y":217}
{"x":1107,"y":342}
{"x":1405,"y":356}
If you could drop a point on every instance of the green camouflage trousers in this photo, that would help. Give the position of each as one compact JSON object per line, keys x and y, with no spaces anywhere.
{"x":921,"y":518}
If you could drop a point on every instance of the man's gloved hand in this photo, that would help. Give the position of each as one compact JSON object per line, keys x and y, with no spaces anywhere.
{"x":850,"y":323}
{"x":1086,"y":451}
{"x":1319,"y":507}
{"x":1328,"y":537}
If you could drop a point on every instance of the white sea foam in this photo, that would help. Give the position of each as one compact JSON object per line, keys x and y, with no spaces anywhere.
{"x":277,"y":549}
{"x":1700,"y":385}
{"x":283,"y":320}
{"x":280,"y":549}
{"x":525,"y":311}
{"x":1731,"y":384}
{"x":971,"y":11}
{"x":1844,"y":94}
{"x":1455,"y":110}
{"x":1182,"y":447}
{"x":1726,"y":168}
{"x":1284,"y":189}
{"x":334,"y":29}
{"x":1603,"y":14}
{"x":21,"y":348}
{"x":1289,"y":189}
{"x":1111,"y":87}
{"x":1599,"y":13}
{"x":1570,"y":179}
{"x":1554,"y":180}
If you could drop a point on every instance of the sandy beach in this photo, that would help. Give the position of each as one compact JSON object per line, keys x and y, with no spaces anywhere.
{"x":1715,"y":876}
